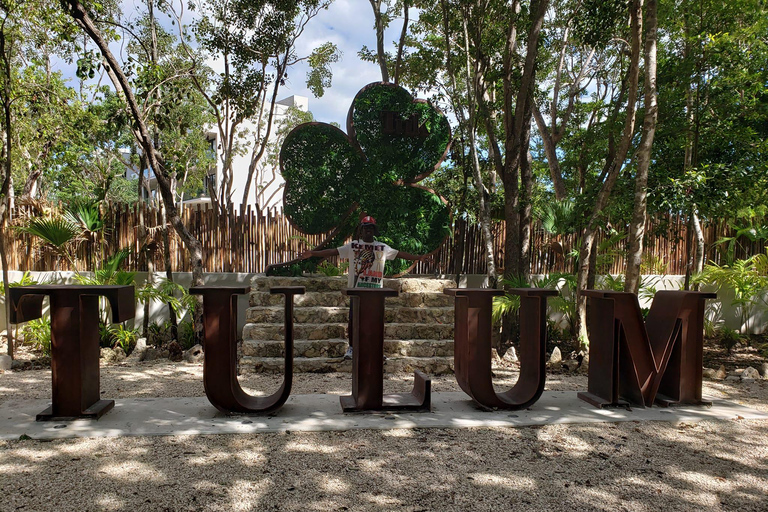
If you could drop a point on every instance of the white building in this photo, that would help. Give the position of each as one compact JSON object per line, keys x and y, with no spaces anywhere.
{"x":241,"y":162}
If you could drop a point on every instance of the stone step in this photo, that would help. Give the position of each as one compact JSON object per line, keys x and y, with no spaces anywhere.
{"x":338,"y":283}
{"x":336,"y":299}
{"x":301,"y":348}
{"x":429,"y":365}
{"x":327,"y":331}
{"x":337,"y":347}
{"x":321,"y":314}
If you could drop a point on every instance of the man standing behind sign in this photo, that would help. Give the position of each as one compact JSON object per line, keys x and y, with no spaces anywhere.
{"x":367,"y":258}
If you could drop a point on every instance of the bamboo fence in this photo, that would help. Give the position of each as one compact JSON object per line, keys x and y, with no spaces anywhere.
{"x":252,"y":241}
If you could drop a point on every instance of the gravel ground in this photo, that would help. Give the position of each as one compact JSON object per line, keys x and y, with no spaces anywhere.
{"x":711,"y":465}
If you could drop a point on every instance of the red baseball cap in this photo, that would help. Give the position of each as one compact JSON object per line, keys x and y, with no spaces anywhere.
{"x":368,"y":220}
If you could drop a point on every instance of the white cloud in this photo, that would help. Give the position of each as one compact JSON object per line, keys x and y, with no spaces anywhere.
{"x":350,"y":25}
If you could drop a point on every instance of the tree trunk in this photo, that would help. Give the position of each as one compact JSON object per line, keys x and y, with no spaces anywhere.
{"x":517,"y":121}
{"x":168,"y":271}
{"x":195,"y":248}
{"x":550,"y":150}
{"x":474,"y":96}
{"x":376,"y":5}
{"x":698,"y":238}
{"x":5,"y":181}
{"x":637,"y":226}
{"x":614,"y":166}
{"x":401,"y":44}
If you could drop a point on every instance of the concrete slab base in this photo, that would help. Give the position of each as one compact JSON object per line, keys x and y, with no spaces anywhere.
{"x":184,"y":416}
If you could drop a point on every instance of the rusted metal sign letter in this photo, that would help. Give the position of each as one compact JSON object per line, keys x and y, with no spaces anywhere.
{"x":472,"y":346}
{"x":367,"y":359}
{"x":74,"y":342}
{"x":220,"y":365}
{"x":631,"y":361}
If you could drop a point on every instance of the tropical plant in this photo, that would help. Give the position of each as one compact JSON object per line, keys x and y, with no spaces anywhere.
{"x":613,"y":283}
{"x":329,"y":269}
{"x":169,"y":292}
{"x":110,"y":273}
{"x":752,"y":231}
{"x":38,"y":334}
{"x":565,"y":301}
{"x":26,"y":280}
{"x":508,"y":305}
{"x":186,"y":335}
{"x":729,"y":338}
{"x":55,"y":231}
{"x":744,"y":278}
{"x":86,"y":215}
{"x":123,"y":337}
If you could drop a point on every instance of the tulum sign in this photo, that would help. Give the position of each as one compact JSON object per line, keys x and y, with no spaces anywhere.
{"x":632,"y":361}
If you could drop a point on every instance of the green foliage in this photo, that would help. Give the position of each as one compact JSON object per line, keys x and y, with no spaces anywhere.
{"x":729,"y":338}
{"x":168,"y":292}
{"x":557,"y":217}
{"x":752,"y":231}
{"x":393,"y":143}
{"x":745,"y":278}
{"x":508,"y":304}
{"x":565,"y":301}
{"x":186,"y":335}
{"x":85,"y":214}
{"x":56,"y":231}
{"x":110,"y":273}
{"x":38,"y":334}
{"x":26,"y":280}
{"x":329,"y":269}
{"x":122,"y":337}
{"x":320,"y":75}
{"x":598,"y":20}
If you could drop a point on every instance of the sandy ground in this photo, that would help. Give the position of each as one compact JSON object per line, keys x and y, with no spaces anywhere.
{"x":712,"y":465}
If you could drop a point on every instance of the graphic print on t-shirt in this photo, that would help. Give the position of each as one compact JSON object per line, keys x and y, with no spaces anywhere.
{"x":366,"y":262}
{"x":364,"y":259}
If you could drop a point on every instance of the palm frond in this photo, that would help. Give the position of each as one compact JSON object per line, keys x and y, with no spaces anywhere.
{"x":55,"y":231}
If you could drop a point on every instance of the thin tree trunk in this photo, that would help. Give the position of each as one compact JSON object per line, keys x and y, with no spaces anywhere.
{"x":79,"y":14}
{"x":518,"y":122}
{"x":5,"y":182}
{"x":614,"y":167}
{"x":639,"y":213}
{"x":485,"y":209}
{"x":169,"y":272}
{"x":401,"y":44}
{"x":698,"y":238}
{"x":376,"y":5}
{"x":550,"y":150}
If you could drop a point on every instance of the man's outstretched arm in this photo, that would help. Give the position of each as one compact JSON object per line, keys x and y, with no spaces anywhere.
{"x":413,"y":257}
{"x":325,"y":253}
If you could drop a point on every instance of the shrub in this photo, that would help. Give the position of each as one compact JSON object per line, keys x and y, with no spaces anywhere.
{"x":38,"y":334}
{"x":124,"y":338}
{"x":329,"y":269}
{"x":186,"y":335}
{"x":729,"y":338}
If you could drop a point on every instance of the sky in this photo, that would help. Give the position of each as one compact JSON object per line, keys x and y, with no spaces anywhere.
{"x":348,"y":24}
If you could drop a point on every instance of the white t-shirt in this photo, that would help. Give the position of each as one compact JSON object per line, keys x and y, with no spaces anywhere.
{"x":366,"y":262}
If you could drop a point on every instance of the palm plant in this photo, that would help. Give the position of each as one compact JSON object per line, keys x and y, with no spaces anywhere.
{"x":57,"y":232}
{"x":86,"y":215}
{"x":747,"y":279}
{"x":110,"y":274}
{"x":752,"y":231}
{"x":557,"y":219}
{"x":508,"y":304}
